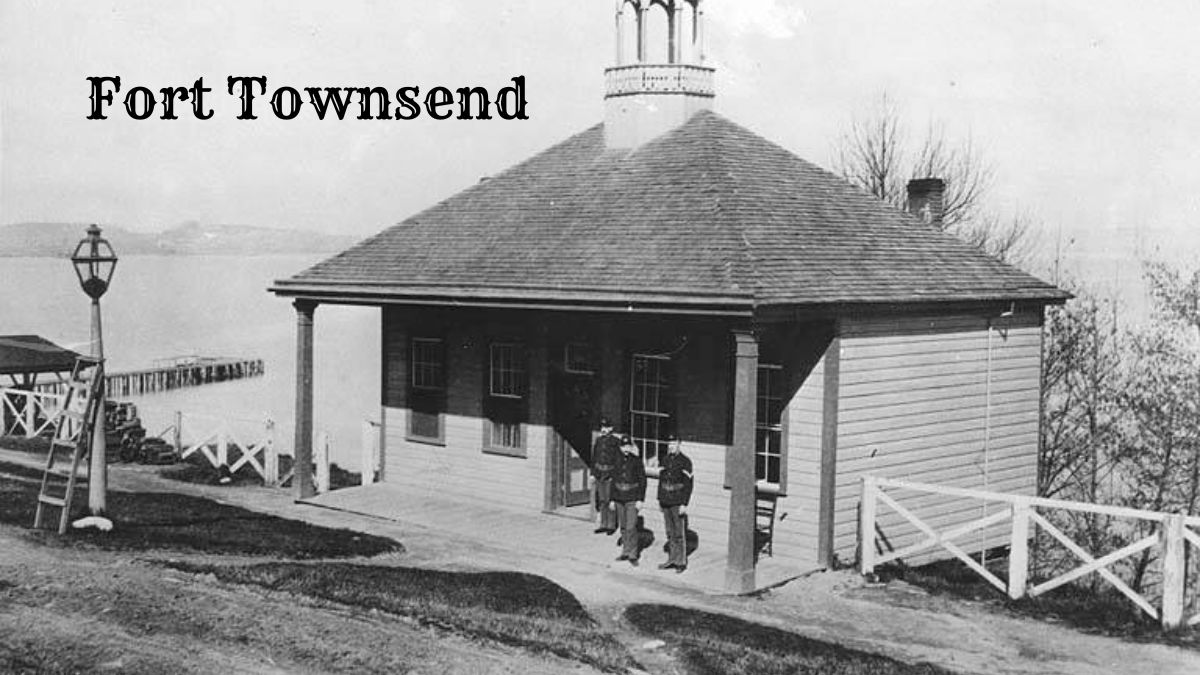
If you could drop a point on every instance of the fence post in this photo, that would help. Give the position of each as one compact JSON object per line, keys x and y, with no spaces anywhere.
{"x":1018,"y":550}
{"x":223,"y":446}
{"x":370,"y":462}
{"x":322,"y":457}
{"x":270,"y":455}
{"x":1173,"y":570}
{"x":30,"y":415}
{"x":866,"y":526}
{"x":178,"y":432}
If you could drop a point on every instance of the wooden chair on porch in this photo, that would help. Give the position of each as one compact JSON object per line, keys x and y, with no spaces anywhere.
{"x":764,"y":522}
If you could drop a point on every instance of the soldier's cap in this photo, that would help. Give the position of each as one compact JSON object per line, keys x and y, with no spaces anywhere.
{"x":672,"y":437}
{"x":626,"y":440}
{"x":605,"y":422}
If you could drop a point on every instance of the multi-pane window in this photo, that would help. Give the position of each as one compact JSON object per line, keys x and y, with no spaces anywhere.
{"x":768,"y":442}
{"x":427,"y":388}
{"x":427,"y":363}
{"x":650,"y":405}
{"x":505,"y":406}
{"x":507,"y":370}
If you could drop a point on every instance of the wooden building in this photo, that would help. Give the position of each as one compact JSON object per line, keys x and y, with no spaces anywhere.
{"x":674,"y":271}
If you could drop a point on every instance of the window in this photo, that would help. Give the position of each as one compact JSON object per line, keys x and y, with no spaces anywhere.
{"x":768,"y":441}
{"x":505,"y":404}
{"x":507,"y":370}
{"x":650,"y":405}
{"x":426,"y":389}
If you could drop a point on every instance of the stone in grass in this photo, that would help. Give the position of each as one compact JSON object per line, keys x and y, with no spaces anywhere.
{"x":654,"y":644}
{"x":98,"y":522}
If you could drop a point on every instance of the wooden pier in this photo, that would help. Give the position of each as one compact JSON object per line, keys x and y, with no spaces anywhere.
{"x":178,"y":373}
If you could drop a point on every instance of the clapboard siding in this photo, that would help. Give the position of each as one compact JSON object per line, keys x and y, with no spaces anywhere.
{"x":797,"y":517}
{"x":914,"y":404}
{"x":460,"y":467}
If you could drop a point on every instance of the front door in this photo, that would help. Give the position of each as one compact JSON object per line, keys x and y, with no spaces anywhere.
{"x":573,"y":411}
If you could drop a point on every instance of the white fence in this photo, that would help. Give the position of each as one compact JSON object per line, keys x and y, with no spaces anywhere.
{"x":1175,"y":533}
{"x":251,"y":442}
{"x":254,"y":443}
{"x":27,"y":413}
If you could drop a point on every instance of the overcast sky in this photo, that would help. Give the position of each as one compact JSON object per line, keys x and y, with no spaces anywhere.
{"x":1089,"y":110}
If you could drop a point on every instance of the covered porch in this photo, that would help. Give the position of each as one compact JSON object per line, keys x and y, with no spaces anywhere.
{"x":553,"y":535}
{"x":498,"y":405}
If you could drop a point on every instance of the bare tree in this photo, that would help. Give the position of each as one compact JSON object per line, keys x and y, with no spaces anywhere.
{"x":1176,"y":298}
{"x":876,"y":152}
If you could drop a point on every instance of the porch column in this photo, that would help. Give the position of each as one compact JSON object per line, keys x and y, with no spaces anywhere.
{"x":739,"y":465}
{"x":302,"y":448}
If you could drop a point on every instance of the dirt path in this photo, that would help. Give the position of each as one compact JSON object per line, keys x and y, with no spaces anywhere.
{"x":895,"y":620}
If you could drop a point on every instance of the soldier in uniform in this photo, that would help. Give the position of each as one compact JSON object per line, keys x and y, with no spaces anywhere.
{"x":629,"y":490}
{"x":674,"y":493}
{"x":606,"y":452}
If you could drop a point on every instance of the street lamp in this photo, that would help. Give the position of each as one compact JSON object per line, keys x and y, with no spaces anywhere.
{"x":94,"y":262}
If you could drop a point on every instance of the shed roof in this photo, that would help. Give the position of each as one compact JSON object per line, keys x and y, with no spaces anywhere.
{"x":21,"y":354}
{"x":709,"y":211}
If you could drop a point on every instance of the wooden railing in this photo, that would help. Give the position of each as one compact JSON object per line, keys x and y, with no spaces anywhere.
{"x":1175,"y":533}
{"x":27,"y":413}
{"x":216,"y":438}
{"x":253,"y":441}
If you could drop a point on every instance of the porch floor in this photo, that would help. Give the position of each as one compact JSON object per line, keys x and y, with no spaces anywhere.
{"x":558,"y":536}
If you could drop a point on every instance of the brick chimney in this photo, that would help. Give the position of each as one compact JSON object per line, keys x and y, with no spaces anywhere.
{"x":927,"y":200}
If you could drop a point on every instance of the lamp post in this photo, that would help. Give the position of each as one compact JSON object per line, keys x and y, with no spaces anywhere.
{"x":94,"y":262}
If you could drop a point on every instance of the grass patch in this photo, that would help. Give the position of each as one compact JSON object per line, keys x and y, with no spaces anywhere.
{"x":714,"y":644}
{"x":155,"y":520}
{"x":34,"y":446}
{"x":523,"y":610}
{"x":1103,"y":611}
{"x":30,"y":472}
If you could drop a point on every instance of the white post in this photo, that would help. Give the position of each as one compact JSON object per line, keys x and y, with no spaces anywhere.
{"x":223,"y":446}
{"x":867,"y":527}
{"x":30,"y":417}
{"x":1018,"y":550}
{"x":370,"y":463}
{"x":178,"y":432}
{"x":1173,"y":571}
{"x":98,"y":461}
{"x":270,"y":454}
{"x":620,"y":34}
{"x":322,"y":456}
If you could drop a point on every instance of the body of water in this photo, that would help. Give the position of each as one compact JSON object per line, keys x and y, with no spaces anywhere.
{"x":165,"y":306}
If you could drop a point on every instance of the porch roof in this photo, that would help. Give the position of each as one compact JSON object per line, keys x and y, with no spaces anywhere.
{"x":707,"y":213}
{"x":22,"y":354}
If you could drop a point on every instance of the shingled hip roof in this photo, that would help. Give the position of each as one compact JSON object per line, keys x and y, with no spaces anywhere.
{"x":709,"y":212}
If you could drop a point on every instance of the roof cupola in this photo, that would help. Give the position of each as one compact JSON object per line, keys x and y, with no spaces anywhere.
{"x":659,"y":80}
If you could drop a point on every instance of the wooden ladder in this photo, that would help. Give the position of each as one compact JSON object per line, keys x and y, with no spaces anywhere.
{"x":73,"y":428}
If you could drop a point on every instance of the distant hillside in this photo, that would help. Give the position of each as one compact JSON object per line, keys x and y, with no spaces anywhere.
{"x":58,"y":240}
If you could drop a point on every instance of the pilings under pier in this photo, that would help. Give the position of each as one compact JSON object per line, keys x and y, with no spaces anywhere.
{"x":190,"y":373}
